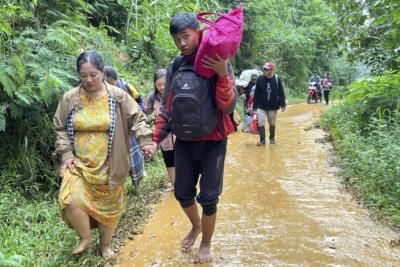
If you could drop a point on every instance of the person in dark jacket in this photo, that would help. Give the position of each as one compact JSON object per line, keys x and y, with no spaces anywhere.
{"x":269,"y":96}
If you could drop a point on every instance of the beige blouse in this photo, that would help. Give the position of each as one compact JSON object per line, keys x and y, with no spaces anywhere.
{"x":153,"y":105}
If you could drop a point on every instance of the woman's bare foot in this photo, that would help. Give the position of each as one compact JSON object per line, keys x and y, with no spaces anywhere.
{"x":107,"y":252}
{"x":204,"y":255}
{"x":189,"y":240}
{"x":82,"y":246}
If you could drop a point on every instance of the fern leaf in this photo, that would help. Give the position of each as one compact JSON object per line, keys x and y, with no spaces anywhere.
{"x":20,"y":70}
{"x":46,"y":85}
{"x":59,"y":82}
{"x":26,"y":99}
{"x":8,"y":84}
{"x":65,"y":74}
{"x":29,"y":32}
{"x":56,"y":37}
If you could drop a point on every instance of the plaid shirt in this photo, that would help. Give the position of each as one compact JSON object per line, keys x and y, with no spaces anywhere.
{"x":137,"y":163}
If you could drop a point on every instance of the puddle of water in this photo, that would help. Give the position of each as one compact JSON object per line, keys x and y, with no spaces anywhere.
{"x":281,"y":206}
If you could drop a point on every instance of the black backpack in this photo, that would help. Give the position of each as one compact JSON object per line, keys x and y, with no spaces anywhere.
{"x":194,"y":111}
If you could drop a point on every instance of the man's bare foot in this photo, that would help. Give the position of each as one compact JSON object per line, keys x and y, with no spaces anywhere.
{"x":189,"y":240}
{"x":170,"y":188}
{"x":82,"y":246}
{"x":204,"y":255}
{"x":107,"y":252}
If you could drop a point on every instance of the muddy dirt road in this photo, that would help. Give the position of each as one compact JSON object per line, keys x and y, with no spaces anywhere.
{"x":282,"y":205}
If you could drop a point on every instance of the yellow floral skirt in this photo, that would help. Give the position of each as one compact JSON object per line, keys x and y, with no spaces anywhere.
{"x":103,"y":204}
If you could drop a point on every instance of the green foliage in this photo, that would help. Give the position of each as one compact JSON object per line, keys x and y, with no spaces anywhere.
{"x":33,"y":230}
{"x":371,"y":31}
{"x":38,"y":66}
{"x":146,"y":30}
{"x":366,"y":129}
{"x":370,"y":96}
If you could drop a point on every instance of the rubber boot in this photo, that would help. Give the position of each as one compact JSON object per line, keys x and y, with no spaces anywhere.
{"x":272,"y":134}
{"x":261,"y":132}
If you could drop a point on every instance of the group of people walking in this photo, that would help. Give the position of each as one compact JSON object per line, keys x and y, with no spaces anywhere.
{"x":96,"y":124}
{"x":100,"y":122}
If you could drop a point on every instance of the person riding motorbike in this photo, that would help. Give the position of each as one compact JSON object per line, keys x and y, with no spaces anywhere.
{"x":313,"y":93}
{"x":316,"y":78}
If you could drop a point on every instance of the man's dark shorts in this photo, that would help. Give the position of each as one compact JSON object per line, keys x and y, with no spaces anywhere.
{"x":202,"y":160}
{"x":169,"y":158}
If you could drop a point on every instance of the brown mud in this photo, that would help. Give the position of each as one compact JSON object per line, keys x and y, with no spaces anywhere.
{"x":282,"y":205}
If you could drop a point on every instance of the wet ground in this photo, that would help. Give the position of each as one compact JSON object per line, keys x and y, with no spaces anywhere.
{"x":282,"y":205}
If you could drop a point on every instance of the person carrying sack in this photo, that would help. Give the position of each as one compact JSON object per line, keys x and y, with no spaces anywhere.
{"x":196,"y":109}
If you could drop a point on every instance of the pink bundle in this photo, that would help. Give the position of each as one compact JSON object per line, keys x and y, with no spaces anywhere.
{"x":221,"y":37}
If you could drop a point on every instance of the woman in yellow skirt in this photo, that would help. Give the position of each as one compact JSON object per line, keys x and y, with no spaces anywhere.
{"x":93,"y":122}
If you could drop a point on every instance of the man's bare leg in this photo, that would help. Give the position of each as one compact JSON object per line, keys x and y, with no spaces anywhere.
{"x":208,"y":226}
{"x":106,"y":234}
{"x":194,"y":218}
{"x":80,"y":221}
{"x":171,"y":174}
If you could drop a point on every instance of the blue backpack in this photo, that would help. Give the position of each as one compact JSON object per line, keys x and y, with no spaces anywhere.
{"x":194,"y":112}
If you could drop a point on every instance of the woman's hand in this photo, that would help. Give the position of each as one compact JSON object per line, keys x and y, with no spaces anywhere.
{"x":219,"y":65}
{"x":149,"y":150}
{"x":66,"y":164}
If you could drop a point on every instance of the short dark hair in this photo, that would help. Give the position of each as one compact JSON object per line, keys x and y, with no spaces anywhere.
{"x":182,"y":21}
{"x":91,"y":57}
{"x":110,"y":72}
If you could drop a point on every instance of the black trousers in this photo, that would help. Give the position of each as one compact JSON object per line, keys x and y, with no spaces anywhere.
{"x":326,"y":96}
{"x":199,"y":160}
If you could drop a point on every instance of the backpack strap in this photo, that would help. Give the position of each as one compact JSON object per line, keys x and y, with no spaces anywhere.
{"x":277,"y":86}
{"x":178,"y":61}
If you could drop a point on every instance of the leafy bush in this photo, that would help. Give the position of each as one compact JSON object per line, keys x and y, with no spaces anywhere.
{"x":366,"y":128}
{"x":40,"y":66}
{"x":373,"y":96}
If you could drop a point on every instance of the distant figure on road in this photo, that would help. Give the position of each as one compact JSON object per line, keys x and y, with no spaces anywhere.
{"x":326,"y":87}
{"x":249,"y":90}
{"x":268,"y":98}
{"x":317,"y":79}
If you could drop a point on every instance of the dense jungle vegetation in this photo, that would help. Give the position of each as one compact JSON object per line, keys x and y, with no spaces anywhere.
{"x":39,"y":43}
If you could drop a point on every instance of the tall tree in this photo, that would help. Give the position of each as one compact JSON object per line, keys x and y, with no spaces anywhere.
{"x":371,"y":31}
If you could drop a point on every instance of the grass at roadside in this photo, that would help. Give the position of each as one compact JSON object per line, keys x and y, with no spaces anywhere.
{"x":32,"y":233}
{"x":369,"y":157}
{"x":365,"y":126}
